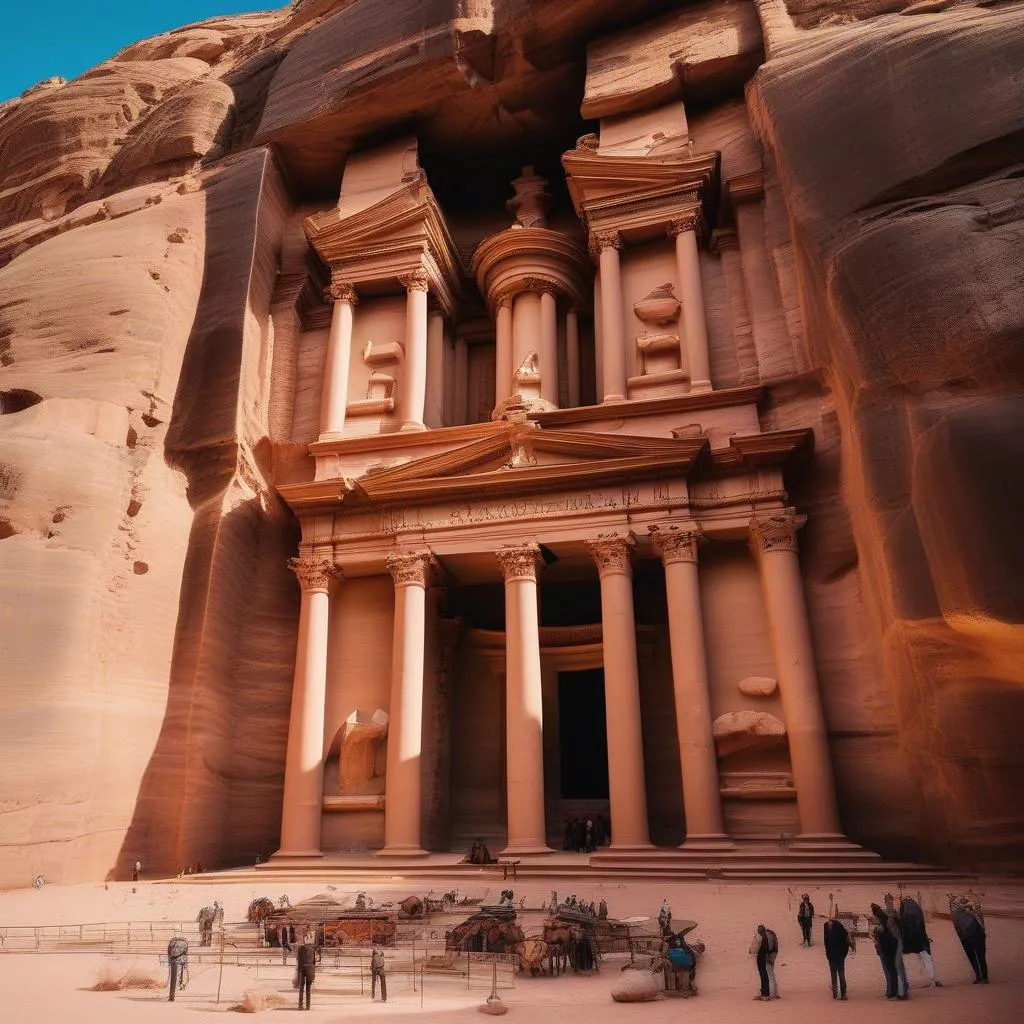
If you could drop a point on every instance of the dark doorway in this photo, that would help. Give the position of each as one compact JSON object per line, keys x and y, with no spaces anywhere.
{"x":583,"y":735}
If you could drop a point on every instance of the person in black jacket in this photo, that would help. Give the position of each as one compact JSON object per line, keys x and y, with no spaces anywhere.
{"x":837,"y":945}
{"x":969,"y":923}
{"x":805,"y":918}
{"x":886,"y":945}
{"x":306,"y":958}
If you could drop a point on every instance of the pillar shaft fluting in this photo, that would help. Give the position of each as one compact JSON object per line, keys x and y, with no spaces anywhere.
{"x":414,"y":390}
{"x":698,"y":759}
{"x":304,"y":763}
{"x":524,"y":736}
{"x":613,"y":345}
{"x":405,"y":726}
{"x":627,"y":792}
{"x":773,"y":537}
{"x":334,"y":398}
{"x":691,"y":291}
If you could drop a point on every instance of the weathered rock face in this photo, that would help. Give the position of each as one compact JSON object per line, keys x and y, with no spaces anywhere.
{"x":155,"y":286}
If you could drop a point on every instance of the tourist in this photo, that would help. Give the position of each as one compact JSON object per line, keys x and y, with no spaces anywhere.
{"x":765,"y":947}
{"x":177,"y":963}
{"x":378,"y":971}
{"x":136,"y":869}
{"x":805,"y":918}
{"x":836,"y":940}
{"x":665,"y":916}
{"x":885,"y":946}
{"x":896,"y":927}
{"x":969,"y":923}
{"x":305,"y":960}
{"x":915,"y":937}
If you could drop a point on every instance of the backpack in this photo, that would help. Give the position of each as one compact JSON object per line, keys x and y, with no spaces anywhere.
{"x":773,"y":941}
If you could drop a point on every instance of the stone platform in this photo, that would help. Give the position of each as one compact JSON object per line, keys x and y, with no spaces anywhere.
{"x":744,"y":862}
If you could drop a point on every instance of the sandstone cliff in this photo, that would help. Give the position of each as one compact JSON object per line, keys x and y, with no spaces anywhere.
{"x":150,"y":222}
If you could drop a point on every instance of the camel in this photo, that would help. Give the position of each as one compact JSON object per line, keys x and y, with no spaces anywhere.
{"x":532,"y":954}
{"x":559,"y":938}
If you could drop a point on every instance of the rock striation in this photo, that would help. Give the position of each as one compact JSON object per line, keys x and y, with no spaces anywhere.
{"x":162,"y":334}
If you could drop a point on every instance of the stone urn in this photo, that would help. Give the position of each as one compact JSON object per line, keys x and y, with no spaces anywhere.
{"x":659,"y":307}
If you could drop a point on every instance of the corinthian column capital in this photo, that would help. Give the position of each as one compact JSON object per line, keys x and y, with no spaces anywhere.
{"x":775,"y":531}
{"x":520,"y":562}
{"x":341,"y":291}
{"x":676,"y":542}
{"x":412,"y":570}
{"x":612,"y":552}
{"x":314,"y":573}
{"x":691,"y":220}
{"x":604,"y":240}
{"x":415,"y":281}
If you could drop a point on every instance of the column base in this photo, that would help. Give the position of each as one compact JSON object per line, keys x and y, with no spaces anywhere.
{"x":331,"y":435}
{"x":399,"y":850}
{"x":410,"y":425}
{"x":700,"y":387}
{"x":713,"y":843}
{"x":612,"y":398}
{"x":526,"y":849}
{"x":293,"y":854}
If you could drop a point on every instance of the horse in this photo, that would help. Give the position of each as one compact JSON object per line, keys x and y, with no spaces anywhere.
{"x":207,"y":918}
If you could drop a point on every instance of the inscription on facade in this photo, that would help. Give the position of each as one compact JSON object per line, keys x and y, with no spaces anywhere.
{"x":521,"y":508}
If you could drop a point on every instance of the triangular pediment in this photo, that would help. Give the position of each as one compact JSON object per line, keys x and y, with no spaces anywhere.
{"x":524,"y":457}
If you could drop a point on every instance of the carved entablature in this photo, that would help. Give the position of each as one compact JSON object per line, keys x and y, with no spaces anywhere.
{"x":412,"y":570}
{"x":415,"y":281}
{"x":676,"y":542}
{"x":314,"y":573}
{"x":612,"y":552}
{"x":519,"y":563}
{"x":341,"y":291}
{"x":775,"y":531}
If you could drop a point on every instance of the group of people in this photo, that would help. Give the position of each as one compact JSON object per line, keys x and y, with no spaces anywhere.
{"x":895,"y":933}
{"x":478,"y":854}
{"x":585,"y":834}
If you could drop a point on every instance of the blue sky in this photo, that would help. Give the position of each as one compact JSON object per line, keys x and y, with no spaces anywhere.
{"x":42,"y":38}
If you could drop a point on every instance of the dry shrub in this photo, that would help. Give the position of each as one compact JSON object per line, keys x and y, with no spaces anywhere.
{"x":113,"y":979}
{"x":256,"y":1000}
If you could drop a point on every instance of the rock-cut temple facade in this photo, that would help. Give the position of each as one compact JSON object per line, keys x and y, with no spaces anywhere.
{"x":427,"y":422}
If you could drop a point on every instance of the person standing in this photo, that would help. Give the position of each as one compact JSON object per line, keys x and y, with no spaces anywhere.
{"x":665,"y":916}
{"x":885,"y":947}
{"x":915,"y":937}
{"x":177,"y":963}
{"x":805,"y":918}
{"x":136,"y":869}
{"x":836,"y":940}
{"x":306,"y":958}
{"x":969,"y":923}
{"x":765,"y":947}
{"x":378,"y":971}
{"x":895,"y":926}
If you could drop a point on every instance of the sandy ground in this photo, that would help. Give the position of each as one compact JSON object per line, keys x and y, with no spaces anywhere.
{"x":54,"y":987}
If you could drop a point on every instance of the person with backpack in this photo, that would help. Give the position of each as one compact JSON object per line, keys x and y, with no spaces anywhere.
{"x":836,"y":940}
{"x":765,"y":947}
{"x":805,"y":918}
{"x":886,"y":945}
{"x":915,"y":937}
{"x":305,"y":959}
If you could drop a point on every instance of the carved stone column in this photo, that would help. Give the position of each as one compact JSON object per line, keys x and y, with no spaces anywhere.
{"x":773,"y":539}
{"x":627,"y":791}
{"x":304,"y":763}
{"x":549,"y":346}
{"x":698,"y":760}
{"x":572,"y":355}
{"x":405,"y":728}
{"x":523,"y":702}
{"x":613,"y":343}
{"x":434,"y":409}
{"x":414,"y":381}
{"x":525,"y":328}
{"x":334,"y":398}
{"x":684,"y":231}
{"x":503,"y":354}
